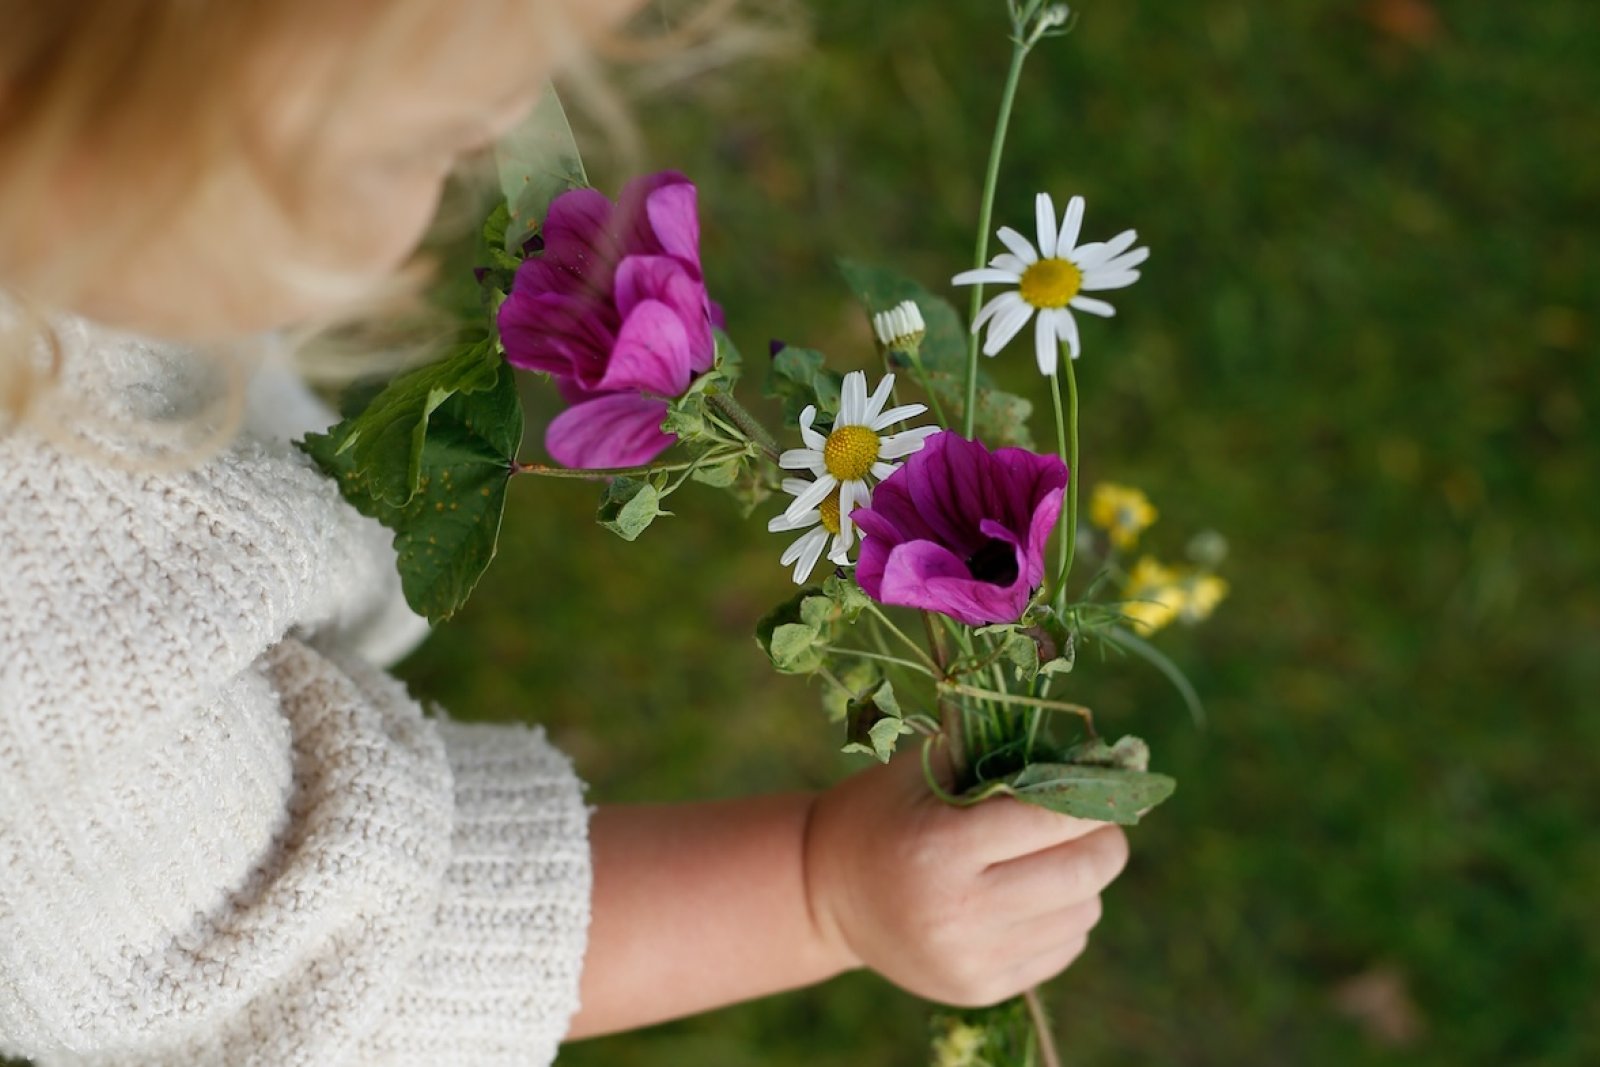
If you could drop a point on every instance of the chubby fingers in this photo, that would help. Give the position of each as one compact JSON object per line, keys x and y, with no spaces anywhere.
{"x":1062,"y":875}
{"x":1003,"y":829}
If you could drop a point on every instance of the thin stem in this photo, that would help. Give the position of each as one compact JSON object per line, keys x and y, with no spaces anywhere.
{"x":544,"y":470}
{"x":1069,"y":431}
{"x":1022,"y":701}
{"x":861,"y":653}
{"x":901,"y":634}
{"x":1019,"y":52}
{"x":1041,"y":1028}
{"x":915,"y":356}
{"x":727,"y":405}
{"x":951,"y":721}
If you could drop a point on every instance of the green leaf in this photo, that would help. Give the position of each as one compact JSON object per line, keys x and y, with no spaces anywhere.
{"x":847,"y":595}
{"x":628,"y":506}
{"x":1000,"y":419}
{"x":447,"y":533}
{"x":385,"y":441}
{"x":1109,"y":794}
{"x":537,"y":162}
{"x":1129,"y":753}
{"x":795,"y":645}
{"x":1023,"y":653}
{"x":798,"y":377}
{"x":874,"y":723}
{"x":820,"y":612}
{"x":858,"y":676}
{"x":722,"y":474}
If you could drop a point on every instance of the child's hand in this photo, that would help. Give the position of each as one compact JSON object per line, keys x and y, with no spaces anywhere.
{"x":966,"y":906}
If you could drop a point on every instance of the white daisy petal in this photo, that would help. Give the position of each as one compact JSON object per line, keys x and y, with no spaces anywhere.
{"x":1005,"y":326}
{"x":905,"y":443}
{"x":1096,"y":282}
{"x":802,"y":459}
{"x":851,"y":493}
{"x":853,"y":400}
{"x":783,"y":524}
{"x":882,"y":470}
{"x":880,"y":396}
{"x":1068,"y":329}
{"x":1044,"y":341}
{"x":795,"y":486}
{"x":1071,"y":223}
{"x":1126,"y":261}
{"x":998,"y":304}
{"x":797,"y":547}
{"x":1092,"y":306}
{"x":899,"y":414}
{"x":986,"y":276}
{"x":811,"y":437}
{"x":1019,"y":245}
{"x":813,"y":496}
{"x":1010,"y":264}
{"x":1091,"y":256}
{"x":815,"y":542}
{"x":1044,"y":211}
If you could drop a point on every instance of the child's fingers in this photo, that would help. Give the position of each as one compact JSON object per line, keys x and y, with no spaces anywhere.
{"x":1063,"y":875}
{"x":1000,"y":830}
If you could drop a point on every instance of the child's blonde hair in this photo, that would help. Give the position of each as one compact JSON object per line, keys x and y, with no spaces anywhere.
{"x":156,"y":93}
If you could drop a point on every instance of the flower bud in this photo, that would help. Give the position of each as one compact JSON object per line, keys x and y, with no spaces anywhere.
{"x":900,"y":329}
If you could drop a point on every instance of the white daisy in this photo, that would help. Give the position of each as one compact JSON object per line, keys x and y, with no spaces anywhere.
{"x":820,"y":523}
{"x":853,"y":450}
{"x":1051,"y":279}
{"x":901,"y":327}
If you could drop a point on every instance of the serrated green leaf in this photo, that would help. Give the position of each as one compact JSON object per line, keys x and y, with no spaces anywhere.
{"x":794,"y":645}
{"x":537,"y":162}
{"x":385,"y":440}
{"x":849,"y":597}
{"x":797,"y":648}
{"x":858,"y":676}
{"x":1108,"y":794}
{"x":820,"y":612}
{"x":1001,"y":418}
{"x":628,"y":506}
{"x":798,"y":377}
{"x":1023,"y":653}
{"x":447,"y":533}
{"x":874,"y":723}
{"x":720,"y":475}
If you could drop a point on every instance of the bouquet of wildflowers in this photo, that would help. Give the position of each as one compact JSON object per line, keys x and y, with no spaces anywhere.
{"x":942,"y":587}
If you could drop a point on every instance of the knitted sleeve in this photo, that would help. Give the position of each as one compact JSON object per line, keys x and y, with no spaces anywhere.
{"x":226,"y":840}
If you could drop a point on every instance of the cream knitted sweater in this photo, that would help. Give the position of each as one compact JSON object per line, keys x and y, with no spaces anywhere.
{"x":226,"y":836}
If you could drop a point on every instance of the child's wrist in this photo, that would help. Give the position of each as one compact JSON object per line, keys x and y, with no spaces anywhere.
{"x":828,"y":935}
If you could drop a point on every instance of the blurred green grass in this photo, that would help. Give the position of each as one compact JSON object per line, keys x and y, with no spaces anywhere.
{"x":1363,"y":349}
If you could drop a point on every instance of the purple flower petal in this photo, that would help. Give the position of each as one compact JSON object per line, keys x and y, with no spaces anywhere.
{"x":961,"y":530}
{"x":614,"y":430}
{"x":652,"y":353}
{"x":667,"y":280}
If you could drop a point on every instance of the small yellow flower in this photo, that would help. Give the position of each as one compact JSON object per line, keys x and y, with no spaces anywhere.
{"x":1122,"y":511}
{"x":1206,"y":591}
{"x":958,"y":1046}
{"x":1153,"y":596}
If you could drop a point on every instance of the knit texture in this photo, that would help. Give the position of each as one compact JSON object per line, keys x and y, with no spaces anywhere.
{"x":225,"y":836}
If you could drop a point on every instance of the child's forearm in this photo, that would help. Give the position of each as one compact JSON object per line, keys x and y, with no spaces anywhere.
{"x":697,"y":906}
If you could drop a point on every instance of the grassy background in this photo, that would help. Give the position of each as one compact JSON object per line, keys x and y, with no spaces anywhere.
{"x":1363,"y":349}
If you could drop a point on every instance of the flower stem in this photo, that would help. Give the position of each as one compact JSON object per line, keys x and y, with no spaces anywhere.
{"x":915,"y":356}
{"x":861,"y":653}
{"x":544,"y":470}
{"x":926,"y":659}
{"x":1067,"y":444}
{"x":1027,"y":702}
{"x":1020,"y":46}
{"x":1041,"y":1028}
{"x":727,"y":405}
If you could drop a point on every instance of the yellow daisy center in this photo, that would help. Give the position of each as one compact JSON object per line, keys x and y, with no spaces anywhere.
{"x":849,"y":453}
{"x":1051,"y":283}
{"x":830,"y":512}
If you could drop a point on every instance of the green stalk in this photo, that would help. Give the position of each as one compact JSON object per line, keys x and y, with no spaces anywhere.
{"x":1020,"y":46}
{"x":1067,"y":445}
{"x":725,"y":404}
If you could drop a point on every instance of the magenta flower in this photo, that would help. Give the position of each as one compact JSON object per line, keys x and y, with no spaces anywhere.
{"x":615,"y":309}
{"x":961,"y":530}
